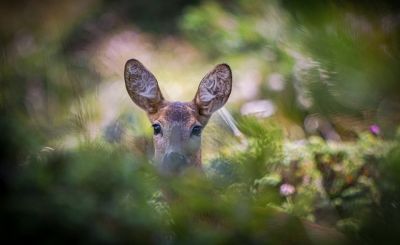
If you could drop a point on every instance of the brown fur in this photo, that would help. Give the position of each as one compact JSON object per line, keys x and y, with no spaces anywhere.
{"x":177,"y":119}
{"x":178,"y":112}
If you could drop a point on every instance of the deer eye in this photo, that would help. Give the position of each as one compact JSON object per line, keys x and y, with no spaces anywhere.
{"x":196,"y":130}
{"x":157,"y":129}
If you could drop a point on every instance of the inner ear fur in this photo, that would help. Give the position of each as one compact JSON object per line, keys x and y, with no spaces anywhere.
{"x":214,"y":90}
{"x":142,"y":86}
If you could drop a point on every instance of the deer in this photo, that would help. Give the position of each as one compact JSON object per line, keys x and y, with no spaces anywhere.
{"x":177,"y":126}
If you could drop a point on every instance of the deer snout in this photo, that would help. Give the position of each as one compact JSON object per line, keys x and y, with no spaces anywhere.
{"x":173,"y":163}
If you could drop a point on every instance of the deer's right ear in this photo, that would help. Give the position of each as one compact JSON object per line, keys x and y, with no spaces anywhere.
{"x":142,"y":86}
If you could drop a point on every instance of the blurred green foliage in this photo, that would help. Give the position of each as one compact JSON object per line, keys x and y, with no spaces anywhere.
{"x":101,"y":192}
{"x":337,"y":60}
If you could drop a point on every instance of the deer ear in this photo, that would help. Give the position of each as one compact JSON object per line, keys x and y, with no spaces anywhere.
{"x":214,"y":90}
{"x":142,"y":86}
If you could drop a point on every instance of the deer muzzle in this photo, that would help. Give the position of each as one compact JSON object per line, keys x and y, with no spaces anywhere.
{"x":173,"y":163}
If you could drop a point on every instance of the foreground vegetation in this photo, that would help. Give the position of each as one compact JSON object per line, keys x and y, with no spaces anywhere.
{"x":315,"y":97}
{"x":102,"y":192}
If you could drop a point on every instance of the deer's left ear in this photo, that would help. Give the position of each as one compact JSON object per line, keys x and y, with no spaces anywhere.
{"x":214,"y":90}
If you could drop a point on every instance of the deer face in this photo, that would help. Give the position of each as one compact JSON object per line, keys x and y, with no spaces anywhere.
{"x":177,"y":125}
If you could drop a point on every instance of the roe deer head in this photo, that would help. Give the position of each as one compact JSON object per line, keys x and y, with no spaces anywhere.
{"x":177,"y":125}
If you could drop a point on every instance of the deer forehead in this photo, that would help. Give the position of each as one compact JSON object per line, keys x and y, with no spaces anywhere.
{"x":177,"y":113}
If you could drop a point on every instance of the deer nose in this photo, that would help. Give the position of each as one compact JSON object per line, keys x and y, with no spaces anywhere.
{"x":173,"y":163}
